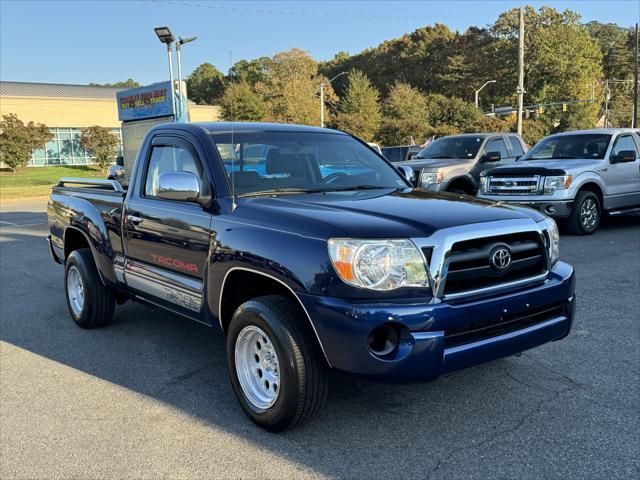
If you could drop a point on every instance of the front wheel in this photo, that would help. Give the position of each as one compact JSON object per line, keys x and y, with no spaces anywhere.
{"x":277,"y":371}
{"x":586,"y":214}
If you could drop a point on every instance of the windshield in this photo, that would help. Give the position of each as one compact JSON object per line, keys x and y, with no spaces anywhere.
{"x":592,"y":146}
{"x":452,"y":147}
{"x":299,"y":162}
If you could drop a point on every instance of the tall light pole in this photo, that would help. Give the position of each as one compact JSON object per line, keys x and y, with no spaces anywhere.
{"x":181,"y":41}
{"x":322,"y":97}
{"x":520,"y":89}
{"x":165,"y":36}
{"x":480,"y":89}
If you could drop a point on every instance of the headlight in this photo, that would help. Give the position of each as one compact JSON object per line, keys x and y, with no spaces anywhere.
{"x":553,"y":240}
{"x":427,"y":178}
{"x":551,"y":184}
{"x":484,"y":184}
{"x":378,"y":264}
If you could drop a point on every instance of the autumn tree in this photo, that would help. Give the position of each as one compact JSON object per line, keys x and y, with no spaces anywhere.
{"x":405,"y":116}
{"x":291,"y":87}
{"x":100,"y":143}
{"x":241,"y":102}
{"x":359,"y":111}
{"x":205,"y":85}
{"x":18,"y":141}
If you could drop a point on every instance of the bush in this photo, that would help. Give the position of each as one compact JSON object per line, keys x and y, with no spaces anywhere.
{"x":18,"y":141}
{"x":100,"y":143}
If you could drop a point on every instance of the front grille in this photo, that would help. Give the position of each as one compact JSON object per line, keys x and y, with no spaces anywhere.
{"x":513,"y":185}
{"x":471,"y":267}
{"x":499,"y":326}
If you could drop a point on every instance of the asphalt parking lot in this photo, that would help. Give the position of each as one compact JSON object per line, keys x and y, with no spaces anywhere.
{"x":148,"y":396}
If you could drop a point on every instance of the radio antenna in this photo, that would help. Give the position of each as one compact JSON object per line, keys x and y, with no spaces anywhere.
{"x":234,"y":205}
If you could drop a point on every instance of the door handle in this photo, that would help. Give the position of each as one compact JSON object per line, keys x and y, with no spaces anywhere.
{"x":134,"y":219}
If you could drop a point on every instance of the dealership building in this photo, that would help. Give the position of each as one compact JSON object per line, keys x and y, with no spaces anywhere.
{"x":66,"y":109}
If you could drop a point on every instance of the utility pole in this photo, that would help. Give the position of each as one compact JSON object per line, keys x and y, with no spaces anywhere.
{"x":607,"y":97}
{"x":322,"y":104}
{"x":520,"y":89}
{"x":477,"y":92}
{"x":634,"y":119}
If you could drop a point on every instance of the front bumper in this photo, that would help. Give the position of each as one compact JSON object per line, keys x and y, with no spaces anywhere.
{"x":343,"y":327}
{"x":553,"y":208}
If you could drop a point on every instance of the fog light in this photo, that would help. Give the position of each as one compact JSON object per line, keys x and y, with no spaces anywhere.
{"x":383,"y":340}
{"x":550,"y":209}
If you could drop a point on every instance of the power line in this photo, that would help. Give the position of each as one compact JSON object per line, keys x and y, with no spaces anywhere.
{"x":264,"y":11}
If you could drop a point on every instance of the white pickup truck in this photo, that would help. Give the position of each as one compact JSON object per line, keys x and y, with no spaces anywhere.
{"x":573,"y":177}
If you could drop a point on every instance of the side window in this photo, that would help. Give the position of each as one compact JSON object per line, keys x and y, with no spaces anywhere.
{"x":497,"y":145}
{"x":624,"y":142}
{"x":517,"y":147}
{"x":171,"y":159}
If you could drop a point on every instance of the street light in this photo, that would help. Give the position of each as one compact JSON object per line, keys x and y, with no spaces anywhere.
{"x":179,"y":44}
{"x":165,"y":36}
{"x":322,"y":97}
{"x":480,"y":89}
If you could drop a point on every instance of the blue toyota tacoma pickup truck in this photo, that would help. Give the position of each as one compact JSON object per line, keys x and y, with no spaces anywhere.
{"x":311,"y":252}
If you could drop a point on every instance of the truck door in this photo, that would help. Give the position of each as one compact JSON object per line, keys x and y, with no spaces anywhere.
{"x":166,"y":241}
{"x":493,"y":145}
{"x":623,"y":179}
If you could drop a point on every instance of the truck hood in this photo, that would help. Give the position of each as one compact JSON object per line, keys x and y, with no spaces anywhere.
{"x":375,"y":213}
{"x":434,"y":163}
{"x":562,"y":164}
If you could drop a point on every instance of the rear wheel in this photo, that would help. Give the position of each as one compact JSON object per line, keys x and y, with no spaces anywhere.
{"x":90,"y":303}
{"x":277,"y":372}
{"x":586,"y":214}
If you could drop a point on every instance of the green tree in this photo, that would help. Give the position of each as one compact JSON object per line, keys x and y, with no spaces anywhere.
{"x":250,"y":71}
{"x":453,"y":112}
{"x":205,"y":85}
{"x":562,"y":61}
{"x":18,"y":141}
{"x":406,"y":113}
{"x":128,"y":83}
{"x":291,"y":88}
{"x":100,"y":143}
{"x":241,"y":102}
{"x":360,"y":112}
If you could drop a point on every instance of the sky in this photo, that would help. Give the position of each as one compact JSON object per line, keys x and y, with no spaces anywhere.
{"x":107,"y":41}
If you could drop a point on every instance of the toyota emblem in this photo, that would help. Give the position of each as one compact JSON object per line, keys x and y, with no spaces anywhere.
{"x":501,"y":258}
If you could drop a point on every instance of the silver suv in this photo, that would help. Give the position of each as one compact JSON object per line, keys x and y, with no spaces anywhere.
{"x":573,"y":176}
{"x":454,"y":163}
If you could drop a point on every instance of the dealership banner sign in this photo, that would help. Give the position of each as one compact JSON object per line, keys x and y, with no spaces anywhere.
{"x":145,"y":102}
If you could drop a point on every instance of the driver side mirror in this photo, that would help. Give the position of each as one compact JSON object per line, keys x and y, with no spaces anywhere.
{"x":623,"y":156}
{"x":178,"y":186}
{"x":491,"y":157}
{"x":407,"y":173}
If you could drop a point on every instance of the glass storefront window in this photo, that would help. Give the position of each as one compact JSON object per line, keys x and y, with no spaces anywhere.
{"x":64,"y":148}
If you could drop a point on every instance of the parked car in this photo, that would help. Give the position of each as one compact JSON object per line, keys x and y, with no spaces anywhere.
{"x":454,"y":163}
{"x":400,"y":153}
{"x":305,"y":271}
{"x":574,"y":177}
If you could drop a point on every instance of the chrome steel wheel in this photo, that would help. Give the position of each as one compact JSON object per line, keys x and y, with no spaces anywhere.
{"x":75,"y":290}
{"x":589,"y":214}
{"x":257,"y":367}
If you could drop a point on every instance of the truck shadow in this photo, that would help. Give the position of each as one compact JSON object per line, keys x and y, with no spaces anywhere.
{"x":183,"y":364}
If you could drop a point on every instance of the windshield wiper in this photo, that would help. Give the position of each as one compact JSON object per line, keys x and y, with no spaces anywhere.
{"x":282,"y":191}
{"x":359,"y":187}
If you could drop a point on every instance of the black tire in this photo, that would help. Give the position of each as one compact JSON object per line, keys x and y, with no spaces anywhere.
{"x":459,"y":191}
{"x":98,"y":300}
{"x":303,"y":374}
{"x":580,"y":224}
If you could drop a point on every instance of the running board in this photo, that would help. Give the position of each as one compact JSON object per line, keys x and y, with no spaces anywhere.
{"x":615,"y":213}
